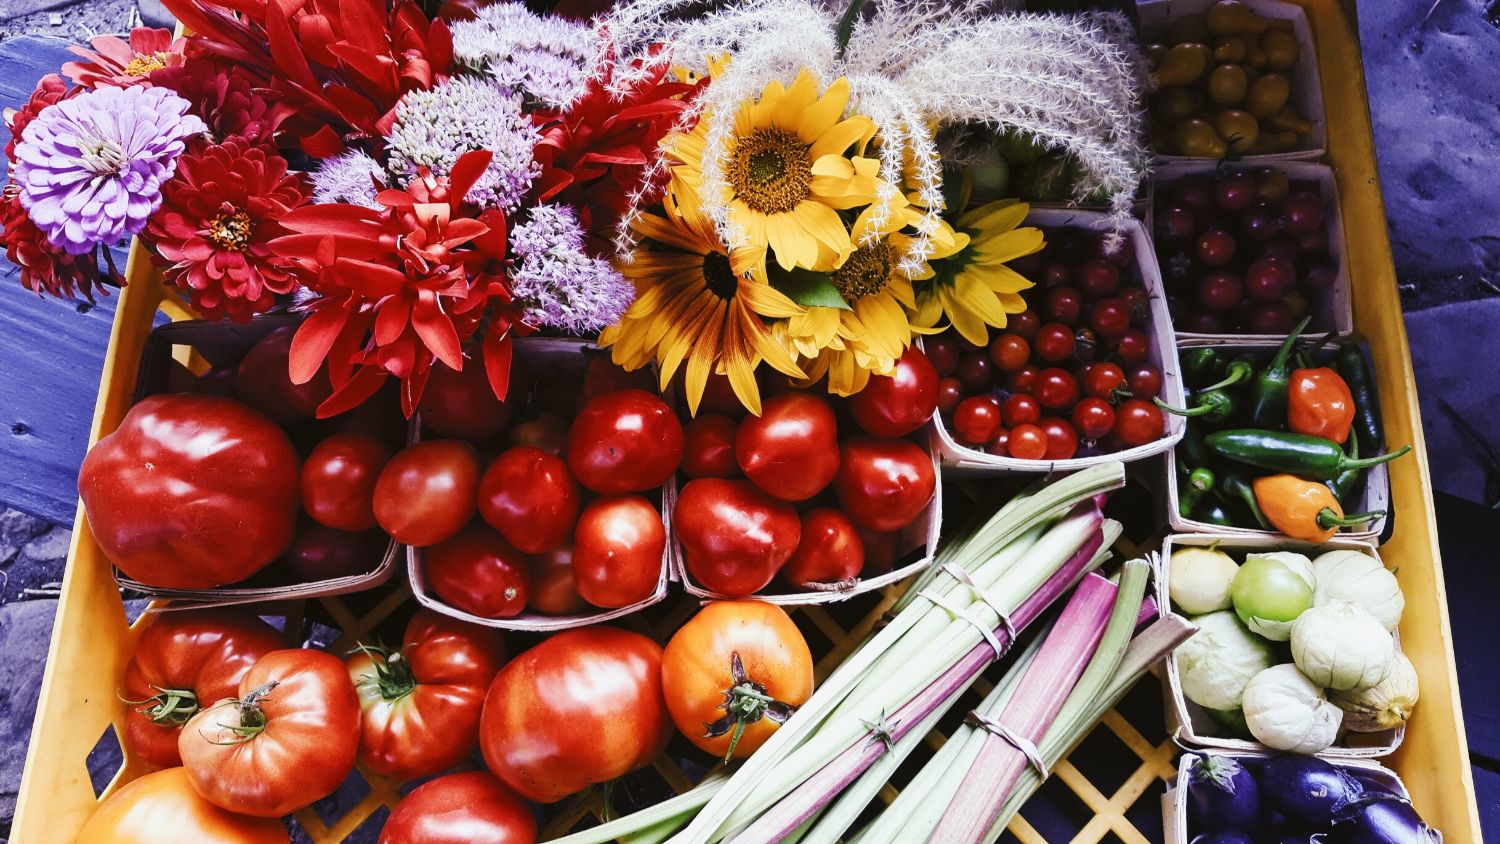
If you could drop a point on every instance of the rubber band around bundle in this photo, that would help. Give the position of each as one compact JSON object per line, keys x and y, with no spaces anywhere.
{"x":958,"y":612}
{"x":962,"y":575}
{"x":1019,"y":742}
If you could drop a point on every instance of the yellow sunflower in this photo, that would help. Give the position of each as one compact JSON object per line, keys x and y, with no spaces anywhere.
{"x":788,"y":171}
{"x":848,"y":344}
{"x":697,"y":301}
{"x":974,"y":288}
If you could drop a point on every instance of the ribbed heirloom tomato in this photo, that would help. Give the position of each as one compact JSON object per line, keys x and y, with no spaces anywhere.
{"x":420,"y":705}
{"x":183,"y":662}
{"x":469,"y":808}
{"x":163,"y":808}
{"x":733,"y":674}
{"x":583,"y":707}
{"x":287,"y":739}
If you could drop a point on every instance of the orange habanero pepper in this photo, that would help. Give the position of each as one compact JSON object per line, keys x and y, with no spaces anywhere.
{"x":1303,"y":509}
{"x":1319,"y":404}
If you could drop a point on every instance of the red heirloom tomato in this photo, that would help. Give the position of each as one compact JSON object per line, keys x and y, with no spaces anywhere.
{"x":338,"y":480}
{"x":183,"y":662}
{"x":734,"y":537}
{"x":477,"y":571}
{"x":530,"y":497}
{"x":420,"y":705}
{"x":163,"y":808}
{"x":551,"y":587}
{"x":324,"y":553}
{"x":625,"y":441}
{"x":708,"y":447}
{"x":462,"y":403}
{"x":288,"y":739}
{"x":191,"y":492}
{"x":264,"y":380}
{"x":617,"y":550}
{"x":427,"y":491}
{"x":829,"y":551}
{"x":895,"y":405}
{"x":469,"y":808}
{"x":583,"y":707}
{"x":733,"y":674}
{"x":884,"y":484}
{"x":791,"y":450}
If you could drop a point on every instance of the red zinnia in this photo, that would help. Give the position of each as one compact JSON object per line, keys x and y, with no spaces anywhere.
{"x":225,"y":98}
{"x":49,"y":90}
{"x":217,"y":218}
{"x":45,"y":268}
{"x":116,"y":63}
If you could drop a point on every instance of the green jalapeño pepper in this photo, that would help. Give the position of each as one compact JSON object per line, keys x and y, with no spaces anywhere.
{"x":1268,"y":391}
{"x":1237,"y":371}
{"x":1193,"y":452}
{"x":1214,"y":407}
{"x":1234,"y":488}
{"x":1343,"y":485}
{"x":1212,"y":512}
{"x":1295,"y":454}
{"x":1200,"y":365}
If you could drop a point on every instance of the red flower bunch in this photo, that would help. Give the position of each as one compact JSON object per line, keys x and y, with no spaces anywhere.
{"x":44,"y":267}
{"x":218,"y":216}
{"x":123,"y":64}
{"x":340,"y":65}
{"x":395,"y":288}
{"x":597,"y":155}
{"x":224,"y":98}
{"x":49,"y":89}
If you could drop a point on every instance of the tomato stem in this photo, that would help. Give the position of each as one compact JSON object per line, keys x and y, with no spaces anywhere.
{"x":746,"y":702}
{"x":393,"y":676}
{"x":169,"y":707}
{"x":252,"y":717}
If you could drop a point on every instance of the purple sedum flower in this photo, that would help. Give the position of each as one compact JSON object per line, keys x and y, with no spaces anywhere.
{"x":560,"y":285}
{"x":90,"y":168}
{"x":547,"y":58}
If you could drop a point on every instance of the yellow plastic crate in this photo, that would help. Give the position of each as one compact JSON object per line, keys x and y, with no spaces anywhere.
{"x":91,"y":641}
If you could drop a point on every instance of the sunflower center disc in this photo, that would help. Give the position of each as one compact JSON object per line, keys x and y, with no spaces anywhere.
{"x":719,"y":276}
{"x":864,"y":273}
{"x":771,"y":171}
{"x":230,"y":231}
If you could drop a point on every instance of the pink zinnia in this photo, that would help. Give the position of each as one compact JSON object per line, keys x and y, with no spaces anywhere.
{"x":120,"y":64}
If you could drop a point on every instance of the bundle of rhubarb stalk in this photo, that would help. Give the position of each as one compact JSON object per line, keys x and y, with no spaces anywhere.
{"x":816,"y":775}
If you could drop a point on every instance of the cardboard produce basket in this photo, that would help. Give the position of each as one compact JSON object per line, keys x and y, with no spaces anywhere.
{"x":92,"y":640}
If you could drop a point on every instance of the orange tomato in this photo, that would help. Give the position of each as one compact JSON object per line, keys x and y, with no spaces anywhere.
{"x":163,"y":808}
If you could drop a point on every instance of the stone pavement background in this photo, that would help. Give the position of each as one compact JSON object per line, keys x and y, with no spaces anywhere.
{"x":1430,"y":71}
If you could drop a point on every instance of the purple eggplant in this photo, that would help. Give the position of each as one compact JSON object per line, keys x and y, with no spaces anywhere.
{"x":1281,"y":835}
{"x":1221,"y":794}
{"x":1374,"y":784}
{"x":1308,"y":791}
{"x":1384,"y":820}
{"x":1227,"y":836}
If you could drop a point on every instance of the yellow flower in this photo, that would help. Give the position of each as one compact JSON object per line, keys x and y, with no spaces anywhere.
{"x":697,"y":301}
{"x":869,"y":336}
{"x":788,"y":171}
{"x":974,"y":288}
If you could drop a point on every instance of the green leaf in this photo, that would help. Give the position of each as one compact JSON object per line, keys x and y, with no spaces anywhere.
{"x":808,"y":289}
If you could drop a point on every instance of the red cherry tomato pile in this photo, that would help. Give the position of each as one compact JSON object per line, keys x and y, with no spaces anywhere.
{"x":565,"y":516}
{"x":802,"y":493}
{"x":1067,"y":377}
{"x":1243,"y":251}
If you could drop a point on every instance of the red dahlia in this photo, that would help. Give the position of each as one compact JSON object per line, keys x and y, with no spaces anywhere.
{"x":225,"y":98}
{"x":49,"y":89}
{"x":121,"y":64}
{"x":217,"y":218}
{"x":45,"y":268}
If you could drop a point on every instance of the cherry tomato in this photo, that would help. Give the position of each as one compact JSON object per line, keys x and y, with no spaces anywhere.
{"x":1094,"y":418}
{"x":1138,"y":422}
{"x":183,"y":662}
{"x":1009,"y":352}
{"x":1054,"y":342}
{"x":1023,"y":324}
{"x":473,"y":807}
{"x":1098,"y":278}
{"x":547,"y":432}
{"x":338,"y":480}
{"x":1062,"y":440}
{"x":478,"y":572}
{"x":1056,"y":389}
{"x":708,"y":447}
{"x":895,"y":405}
{"x":1133,"y":346}
{"x":942,"y":353}
{"x":617,"y":551}
{"x":829,"y":551}
{"x":884,"y":485}
{"x":1215,"y":247}
{"x":625,"y":441}
{"x":1064,"y":305}
{"x":287,"y":740}
{"x":550,"y":585}
{"x":1027,"y":442}
{"x":950,"y":393}
{"x":263,"y":380}
{"x":1000,"y":445}
{"x":1110,"y":318}
{"x":462,"y":404}
{"x":585,"y":706}
{"x":530,"y":497}
{"x":1055,"y":274}
{"x":426,"y":493}
{"x":420,"y":705}
{"x":976,"y":372}
{"x":790,"y":451}
{"x":1023,"y":380}
{"x":1103,"y":379}
{"x":1303,"y":211}
{"x":977,"y":420}
{"x":1135,"y":297}
{"x":163,"y":808}
{"x":1145,"y":381}
{"x":733,"y":674}
{"x":734,"y":537}
{"x":1020,"y":409}
{"x":324,"y":553}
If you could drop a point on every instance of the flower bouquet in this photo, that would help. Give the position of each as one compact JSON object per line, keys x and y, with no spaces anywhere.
{"x":718,"y":189}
